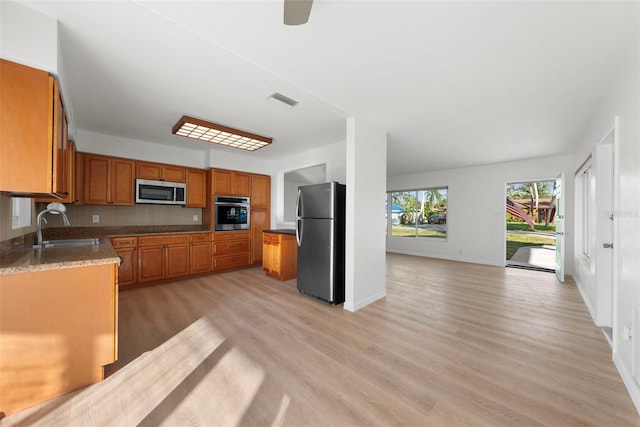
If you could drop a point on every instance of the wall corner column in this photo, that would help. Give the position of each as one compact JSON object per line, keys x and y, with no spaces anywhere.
{"x":366,"y":154}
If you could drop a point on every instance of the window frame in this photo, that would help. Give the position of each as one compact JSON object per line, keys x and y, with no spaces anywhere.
{"x":439,"y":235}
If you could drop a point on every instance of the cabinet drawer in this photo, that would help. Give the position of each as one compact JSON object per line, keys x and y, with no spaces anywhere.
{"x":230,"y":247}
{"x":230,"y":261}
{"x":124,"y":242}
{"x":271,"y":238}
{"x":200,"y":237}
{"x":230,"y":235}
{"x":163,"y":240}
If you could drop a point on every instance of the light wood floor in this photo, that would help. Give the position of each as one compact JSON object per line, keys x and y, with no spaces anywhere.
{"x":451,"y":344}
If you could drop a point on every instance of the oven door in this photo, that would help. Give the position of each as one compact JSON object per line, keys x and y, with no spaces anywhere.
{"x":231,"y":216}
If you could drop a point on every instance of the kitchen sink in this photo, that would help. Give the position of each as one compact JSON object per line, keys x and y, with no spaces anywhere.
{"x":68,"y":243}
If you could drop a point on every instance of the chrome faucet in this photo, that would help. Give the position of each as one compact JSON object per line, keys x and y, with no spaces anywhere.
{"x":54,"y":208}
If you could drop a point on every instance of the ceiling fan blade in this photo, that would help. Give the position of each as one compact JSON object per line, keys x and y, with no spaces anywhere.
{"x":296,"y":12}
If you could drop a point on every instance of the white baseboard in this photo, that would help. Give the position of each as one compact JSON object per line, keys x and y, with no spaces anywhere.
{"x":629,"y":382}
{"x":447,"y":257}
{"x":353,"y":307}
{"x":586,"y":301}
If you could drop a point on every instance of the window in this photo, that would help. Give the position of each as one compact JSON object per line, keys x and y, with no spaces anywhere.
{"x":586,"y":202}
{"x":418,"y":213}
{"x":20,"y":212}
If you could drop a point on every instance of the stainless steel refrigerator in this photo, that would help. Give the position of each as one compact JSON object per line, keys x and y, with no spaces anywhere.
{"x":320,"y":231}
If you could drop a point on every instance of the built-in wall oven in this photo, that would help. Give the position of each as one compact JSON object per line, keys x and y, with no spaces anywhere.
{"x":231,"y":213}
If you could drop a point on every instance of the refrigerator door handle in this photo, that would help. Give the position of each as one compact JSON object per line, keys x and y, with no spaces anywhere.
{"x":298,"y":203}
{"x":298,"y":220}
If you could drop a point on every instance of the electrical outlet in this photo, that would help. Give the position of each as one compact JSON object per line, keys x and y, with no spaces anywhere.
{"x":95,"y":219}
{"x":195,"y":217}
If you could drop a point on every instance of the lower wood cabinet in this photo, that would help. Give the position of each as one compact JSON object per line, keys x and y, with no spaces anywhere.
{"x":280,"y":255}
{"x":230,"y":249}
{"x":200,"y":253}
{"x":58,"y":329}
{"x":150,"y":258}
{"x":127,"y":250}
{"x":162,"y":257}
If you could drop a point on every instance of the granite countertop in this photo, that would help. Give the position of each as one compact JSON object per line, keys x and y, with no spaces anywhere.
{"x":17,"y":257}
{"x":281,"y":231}
{"x":25,"y":260}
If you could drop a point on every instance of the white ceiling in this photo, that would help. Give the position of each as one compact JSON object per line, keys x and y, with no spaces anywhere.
{"x":454,"y":83}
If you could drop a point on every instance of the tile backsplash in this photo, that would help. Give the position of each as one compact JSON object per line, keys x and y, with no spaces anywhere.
{"x":136,"y":215}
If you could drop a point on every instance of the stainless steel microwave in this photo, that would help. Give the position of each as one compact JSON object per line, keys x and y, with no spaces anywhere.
{"x":231,"y":213}
{"x":161,"y":192}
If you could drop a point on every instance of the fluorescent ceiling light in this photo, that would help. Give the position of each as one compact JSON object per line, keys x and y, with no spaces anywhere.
{"x":219,"y":134}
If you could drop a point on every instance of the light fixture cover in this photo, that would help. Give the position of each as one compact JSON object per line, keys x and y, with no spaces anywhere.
{"x":214,"y":133}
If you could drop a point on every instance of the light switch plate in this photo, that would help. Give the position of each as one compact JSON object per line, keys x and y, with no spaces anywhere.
{"x":95,"y":218}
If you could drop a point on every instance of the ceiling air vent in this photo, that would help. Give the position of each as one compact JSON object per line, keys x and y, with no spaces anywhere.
{"x":284,"y":99}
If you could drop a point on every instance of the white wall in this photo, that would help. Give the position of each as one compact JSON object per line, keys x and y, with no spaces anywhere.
{"x":240,"y":162}
{"x":28,"y":37}
{"x":109,"y":145}
{"x":364,"y":243}
{"x":476,"y":209}
{"x":623,"y":101}
{"x":333,"y":156}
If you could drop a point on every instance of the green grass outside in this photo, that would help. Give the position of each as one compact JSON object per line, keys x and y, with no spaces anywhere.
{"x":411,"y":232}
{"x":517,"y":241}
{"x":523,"y":226}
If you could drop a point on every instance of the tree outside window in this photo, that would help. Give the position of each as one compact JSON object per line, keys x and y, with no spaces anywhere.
{"x":419,"y":213}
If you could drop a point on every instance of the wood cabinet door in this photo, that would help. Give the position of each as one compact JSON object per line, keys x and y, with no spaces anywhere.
{"x":241,"y":183}
{"x":150,"y":263}
{"x":148,"y":170}
{"x":26,"y":114}
{"x":196,"y":188}
{"x":260,"y":191}
{"x":96,"y":180}
{"x":267,"y":256}
{"x":60,"y":143}
{"x":222,"y":182}
{"x":174,"y":173}
{"x":122,"y":182}
{"x":78,"y":178}
{"x":200,"y":257}
{"x":177,"y":263}
{"x":259,"y":222}
{"x":127,"y":271}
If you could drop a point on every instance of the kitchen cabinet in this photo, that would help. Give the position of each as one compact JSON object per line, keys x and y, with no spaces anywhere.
{"x":260,"y":191}
{"x":230,"y":183}
{"x":108,"y":180}
{"x":196,"y":188}
{"x":280,"y":255}
{"x":160,"y":172}
{"x":259,"y":222}
{"x":230,"y":249}
{"x":68,"y":167}
{"x":127,"y":250}
{"x":200,"y":253}
{"x":33,"y":136}
{"x":58,"y":329}
{"x":78,"y":178}
{"x":162,"y":257}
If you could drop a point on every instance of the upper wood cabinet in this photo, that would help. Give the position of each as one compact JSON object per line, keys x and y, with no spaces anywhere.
{"x":108,"y":180}
{"x":33,"y":135}
{"x":70,"y":183}
{"x":196,"y":188}
{"x":230,"y":183}
{"x":161,"y":172}
{"x":260,"y":191}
